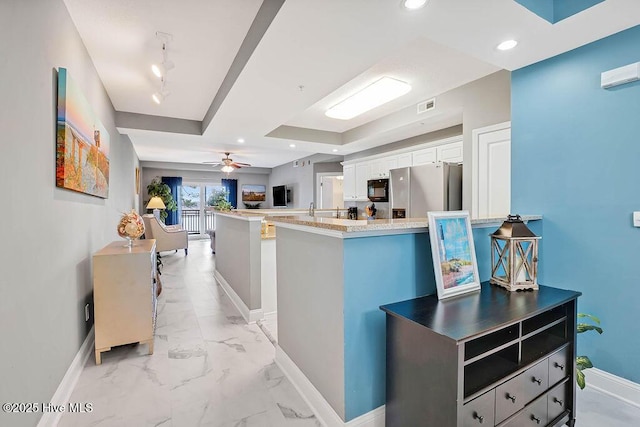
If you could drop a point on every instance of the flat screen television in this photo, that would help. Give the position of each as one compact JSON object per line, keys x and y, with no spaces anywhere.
{"x":279,"y":196}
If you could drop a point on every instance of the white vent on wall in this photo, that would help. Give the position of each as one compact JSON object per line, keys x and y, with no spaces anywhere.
{"x":425,"y":106}
{"x":619,"y":76}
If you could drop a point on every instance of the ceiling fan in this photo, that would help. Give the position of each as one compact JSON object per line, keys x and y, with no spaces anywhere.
{"x":228,"y":164}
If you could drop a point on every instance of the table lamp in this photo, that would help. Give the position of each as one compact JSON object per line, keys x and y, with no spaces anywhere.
{"x":156,"y":204}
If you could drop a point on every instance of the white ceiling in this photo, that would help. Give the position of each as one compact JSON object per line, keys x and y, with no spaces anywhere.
{"x":329,"y":47}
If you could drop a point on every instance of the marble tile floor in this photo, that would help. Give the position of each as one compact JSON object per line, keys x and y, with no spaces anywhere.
{"x":209,"y":367}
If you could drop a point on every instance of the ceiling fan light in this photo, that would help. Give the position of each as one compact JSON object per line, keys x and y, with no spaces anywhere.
{"x":227,"y":169}
{"x":377,"y":93}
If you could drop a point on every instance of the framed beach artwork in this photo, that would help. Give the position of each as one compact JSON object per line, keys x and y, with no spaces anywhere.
{"x":82,"y":142}
{"x":454,"y":256}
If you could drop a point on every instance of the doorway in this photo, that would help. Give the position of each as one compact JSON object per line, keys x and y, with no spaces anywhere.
{"x":195,"y":199}
{"x":330,"y":190}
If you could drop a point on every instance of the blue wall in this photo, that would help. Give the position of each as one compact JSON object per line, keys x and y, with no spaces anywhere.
{"x":377,"y":271}
{"x":576,"y":160}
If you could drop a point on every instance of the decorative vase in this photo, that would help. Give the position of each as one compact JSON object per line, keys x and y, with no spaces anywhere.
{"x":130,"y":227}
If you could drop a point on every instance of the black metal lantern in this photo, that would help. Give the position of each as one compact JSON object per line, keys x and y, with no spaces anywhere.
{"x":514,"y":256}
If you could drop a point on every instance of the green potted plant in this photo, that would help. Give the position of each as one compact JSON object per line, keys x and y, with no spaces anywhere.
{"x":219,"y":201}
{"x":583,"y":362}
{"x":162,"y":190}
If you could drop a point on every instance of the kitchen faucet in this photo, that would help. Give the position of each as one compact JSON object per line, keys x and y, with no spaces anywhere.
{"x":311,"y":209}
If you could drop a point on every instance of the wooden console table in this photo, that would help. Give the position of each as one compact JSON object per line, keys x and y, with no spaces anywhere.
{"x":124,"y":295}
{"x":490,"y":358}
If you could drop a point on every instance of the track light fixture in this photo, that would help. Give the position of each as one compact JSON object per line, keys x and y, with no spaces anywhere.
{"x":160,"y":95}
{"x":161,"y":70}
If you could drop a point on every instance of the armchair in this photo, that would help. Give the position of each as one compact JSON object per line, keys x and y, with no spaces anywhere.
{"x":168,"y":238}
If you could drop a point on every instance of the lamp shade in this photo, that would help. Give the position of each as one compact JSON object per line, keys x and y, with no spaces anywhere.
{"x":156,"y":203}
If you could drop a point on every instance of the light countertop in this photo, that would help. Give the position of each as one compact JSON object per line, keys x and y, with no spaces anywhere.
{"x":360,"y":225}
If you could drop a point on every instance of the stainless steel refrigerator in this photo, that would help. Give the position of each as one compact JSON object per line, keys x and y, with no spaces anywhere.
{"x":432,"y":187}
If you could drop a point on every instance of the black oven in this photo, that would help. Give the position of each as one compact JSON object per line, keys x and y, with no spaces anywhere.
{"x":378,"y":190}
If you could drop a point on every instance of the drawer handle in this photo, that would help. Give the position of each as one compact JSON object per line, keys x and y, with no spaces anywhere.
{"x":511,"y":398}
{"x":558,"y":401}
{"x":533,"y":418}
{"x":536,"y":380}
{"x":557,"y":365}
{"x":480,"y":418}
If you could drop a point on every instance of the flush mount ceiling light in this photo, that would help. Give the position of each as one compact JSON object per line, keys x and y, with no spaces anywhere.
{"x":413,"y":4}
{"x":335,"y":150}
{"x":240,"y":141}
{"x":507,"y":44}
{"x":377,"y":93}
{"x":292,"y":145}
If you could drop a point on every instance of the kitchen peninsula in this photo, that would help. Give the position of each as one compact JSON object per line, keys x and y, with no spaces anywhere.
{"x":246,"y":257}
{"x":333,"y":275}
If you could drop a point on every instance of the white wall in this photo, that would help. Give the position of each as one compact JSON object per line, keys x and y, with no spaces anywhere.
{"x":302,"y":179}
{"x":48,"y":234}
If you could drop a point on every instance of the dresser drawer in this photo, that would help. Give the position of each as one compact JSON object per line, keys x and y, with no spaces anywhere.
{"x":557,"y":400}
{"x":480,"y":411}
{"x":509,"y":398}
{"x":534,"y":415}
{"x":559,"y":366}
{"x":536,"y":380}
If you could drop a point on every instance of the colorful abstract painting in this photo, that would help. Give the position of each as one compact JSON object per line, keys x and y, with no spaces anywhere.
{"x":82,"y":142}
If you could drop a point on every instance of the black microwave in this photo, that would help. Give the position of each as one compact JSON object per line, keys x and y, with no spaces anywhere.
{"x":378,"y":190}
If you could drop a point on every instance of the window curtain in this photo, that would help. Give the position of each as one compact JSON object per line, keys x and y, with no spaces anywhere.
{"x":231,"y":187}
{"x":174,"y":183}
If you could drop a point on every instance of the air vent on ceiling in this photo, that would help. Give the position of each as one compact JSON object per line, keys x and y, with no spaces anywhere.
{"x":425,"y":106}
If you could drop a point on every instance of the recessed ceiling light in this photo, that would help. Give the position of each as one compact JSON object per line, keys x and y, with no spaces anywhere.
{"x":379,"y":92}
{"x":507,"y":44}
{"x":335,"y":150}
{"x":240,"y":141}
{"x":413,"y":4}
{"x":292,"y":145}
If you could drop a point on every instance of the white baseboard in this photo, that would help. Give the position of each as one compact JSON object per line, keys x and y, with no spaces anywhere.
{"x":250,"y":316}
{"x":69,"y":381}
{"x":323,"y":411}
{"x":614,"y":386}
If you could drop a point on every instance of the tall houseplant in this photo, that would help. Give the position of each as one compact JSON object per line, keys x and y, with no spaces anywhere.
{"x":583,"y":362}
{"x":162,"y":190}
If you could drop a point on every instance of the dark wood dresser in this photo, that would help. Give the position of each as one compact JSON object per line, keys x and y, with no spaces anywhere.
{"x":489,"y":358}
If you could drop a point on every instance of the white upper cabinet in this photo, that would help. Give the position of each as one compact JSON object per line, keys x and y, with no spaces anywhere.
{"x":450,"y":152}
{"x":349,"y":182}
{"x":376,"y":169}
{"x":357,"y":173}
{"x":362,"y":176}
{"x":424,"y":156}
{"x":404,"y":160}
